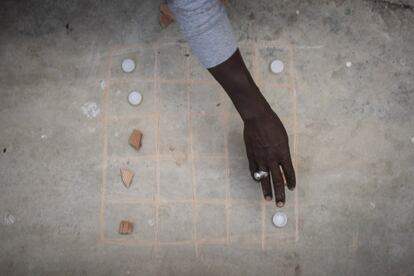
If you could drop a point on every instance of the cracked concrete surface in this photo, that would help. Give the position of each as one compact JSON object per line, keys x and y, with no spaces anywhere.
{"x":355,"y":140}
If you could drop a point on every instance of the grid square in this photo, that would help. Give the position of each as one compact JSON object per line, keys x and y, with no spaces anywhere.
{"x":265,"y":58}
{"x":144,"y":58}
{"x":141,"y":215}
{"x":245,"y":223}
{"x":174,"y":138}
{"x":206,"y":98}
{"x":119,"y":131}
{"x":273,"y":234}
{"x":210,"y":178}
{"x":118,"y":104}
{"x":242,"y":185}
{"x":173,"y":98}
{"x":172,"y":60}
{"x":175,"y":183}
{"x":143,"y":183}
{"x":208,"y":135}
{"x":175,"y":222}
{"x":276,"y":237}
{"x":211,"y":222}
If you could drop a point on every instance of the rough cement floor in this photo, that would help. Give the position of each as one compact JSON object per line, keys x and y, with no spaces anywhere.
{"x":353,"y":126}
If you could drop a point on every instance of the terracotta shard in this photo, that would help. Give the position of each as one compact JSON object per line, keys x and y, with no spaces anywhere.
{"x":125,"y":227}
{"x":164,"y":9}
{"x":165,"y":20}
{"x":126,"y":177}
{"x":135,"y":139}
{"x":166,"y":16}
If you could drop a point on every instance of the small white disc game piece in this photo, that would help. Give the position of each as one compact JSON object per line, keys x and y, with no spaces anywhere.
{"x":277,"y":66}
{"x":279,"y":219}
{"x":348,"y":64}
{"x":128,"y":65}
{"x":134,"y":98}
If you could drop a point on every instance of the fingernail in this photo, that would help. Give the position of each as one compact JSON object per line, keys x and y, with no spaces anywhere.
{"x":280,"y":204}
{"x":268,"y":198}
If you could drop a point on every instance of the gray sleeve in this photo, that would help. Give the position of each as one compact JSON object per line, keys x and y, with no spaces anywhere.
{"x":205,"y":25}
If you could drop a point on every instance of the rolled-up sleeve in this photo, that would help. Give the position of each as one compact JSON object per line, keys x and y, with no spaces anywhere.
{"x":205,"y":25}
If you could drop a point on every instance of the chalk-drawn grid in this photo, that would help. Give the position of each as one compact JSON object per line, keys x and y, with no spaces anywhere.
{"x":190,"y":129}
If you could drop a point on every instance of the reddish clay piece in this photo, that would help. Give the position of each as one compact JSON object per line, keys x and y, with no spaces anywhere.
{"x":126,"y":177}
{"x":125,"y":227}
{"x":135,"y":139}
{"x":166,"y":16}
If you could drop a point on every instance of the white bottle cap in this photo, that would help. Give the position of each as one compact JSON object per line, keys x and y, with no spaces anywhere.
{"x":128,"y":65}
{"x":279,"y":219}
{"x":134,"y":98}
{"x":277,"y":66}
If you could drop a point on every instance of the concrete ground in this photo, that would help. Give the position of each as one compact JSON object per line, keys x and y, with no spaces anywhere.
{"x":346,"y":97}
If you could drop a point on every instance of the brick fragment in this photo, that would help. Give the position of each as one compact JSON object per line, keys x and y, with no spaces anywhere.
{"x":125,"y":227}
{"x":166,"y":16}
{"x":135,"y":139}
{"x":126,"y":176}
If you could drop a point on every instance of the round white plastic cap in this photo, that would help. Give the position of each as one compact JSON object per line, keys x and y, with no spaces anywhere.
{"x":134,"y":98}
{"x":128,"y":65}
{"x":279,"y":219}
{"x":277,"y":66}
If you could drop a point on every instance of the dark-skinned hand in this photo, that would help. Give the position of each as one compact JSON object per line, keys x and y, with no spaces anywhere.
{"x":267,"y":149}
{"x":264,"y":134}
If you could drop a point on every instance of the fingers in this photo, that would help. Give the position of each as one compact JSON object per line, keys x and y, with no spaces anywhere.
{"x":266,"y":188}
{"x":289,"y":173}
{"x":265,"y":182}
{"x":278,"y":185}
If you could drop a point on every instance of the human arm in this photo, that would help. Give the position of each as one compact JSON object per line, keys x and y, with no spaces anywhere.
{"x":209,"y":33}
